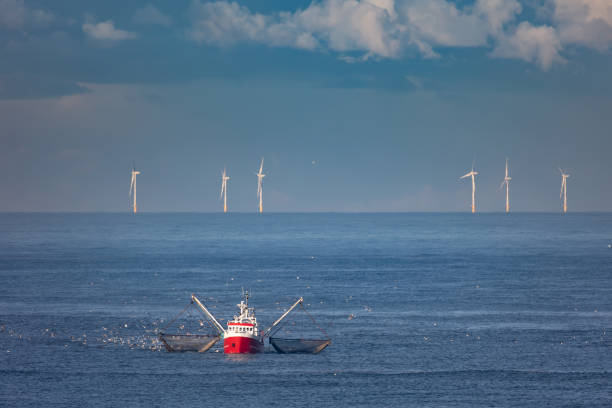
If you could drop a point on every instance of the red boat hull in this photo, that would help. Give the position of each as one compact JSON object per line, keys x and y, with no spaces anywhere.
{"x":242,"y":345}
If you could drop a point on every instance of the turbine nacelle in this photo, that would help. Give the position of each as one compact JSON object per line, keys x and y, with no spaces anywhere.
{"x":563,"y":174}
{"x":471,"y":173}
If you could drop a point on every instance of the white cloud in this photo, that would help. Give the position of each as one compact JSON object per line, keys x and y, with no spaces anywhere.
{"x":540,"y":45}
{"x":375,"y":27}
{"x":392,"y":28}
{"x":149,"y":14}
{"x":224,"y":23}
{"x":350,"y":25}
{"x":106,"y":30}
{"x":344,"y":25}
{"x":440,"y":23}
{"x":498,"y":12}
{"x":14,"y":14}
{"x":584,"y":22}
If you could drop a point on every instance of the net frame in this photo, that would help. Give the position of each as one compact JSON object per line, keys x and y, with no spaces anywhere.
{"x":299,"y":345}
{"x":174,"y":342}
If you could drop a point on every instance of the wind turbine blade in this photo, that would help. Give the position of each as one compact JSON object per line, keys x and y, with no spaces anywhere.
{"x":467,"y":175}
{"x":132,"y":183}
{"x":502,"y":185}
{"x":261,"y":166}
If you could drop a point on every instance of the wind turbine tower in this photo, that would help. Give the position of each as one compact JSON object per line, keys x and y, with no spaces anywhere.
{"x":133,"y":188}
{"x":224,"y":179}
{"x":563,"y":194}
{"x":507,"y":183}
{"x":472,"y":174}
{"x":260,"y":177}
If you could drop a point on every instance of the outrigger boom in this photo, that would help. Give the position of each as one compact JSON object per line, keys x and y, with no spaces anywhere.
{"x":269,"y":329}
{"x":208,"y":314}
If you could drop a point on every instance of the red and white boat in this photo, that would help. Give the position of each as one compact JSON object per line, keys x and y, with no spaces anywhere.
{"x":242,"y":334}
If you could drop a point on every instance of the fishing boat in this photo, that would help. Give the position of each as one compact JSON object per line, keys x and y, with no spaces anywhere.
{"x":242,"y":335}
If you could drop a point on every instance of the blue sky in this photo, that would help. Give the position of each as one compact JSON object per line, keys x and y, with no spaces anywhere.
{"x":375,"y":105}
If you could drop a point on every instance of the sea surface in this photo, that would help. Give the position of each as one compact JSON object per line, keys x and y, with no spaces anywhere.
{"x":424,"y":310}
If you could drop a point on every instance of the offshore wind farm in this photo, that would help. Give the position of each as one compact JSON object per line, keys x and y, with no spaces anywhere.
{"x":260,"y":175}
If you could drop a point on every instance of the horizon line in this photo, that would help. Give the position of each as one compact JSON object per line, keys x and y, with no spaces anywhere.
{"x":308,"y":212}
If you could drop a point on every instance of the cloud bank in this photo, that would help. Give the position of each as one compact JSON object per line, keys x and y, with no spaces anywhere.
{"x":394,"y":28}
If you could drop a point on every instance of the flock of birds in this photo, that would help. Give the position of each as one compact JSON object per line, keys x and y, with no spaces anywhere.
{"x":143,"y":335}
{"x":260,"y":175}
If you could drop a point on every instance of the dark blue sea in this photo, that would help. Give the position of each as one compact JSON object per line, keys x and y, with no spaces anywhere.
{"x":424,"y":310}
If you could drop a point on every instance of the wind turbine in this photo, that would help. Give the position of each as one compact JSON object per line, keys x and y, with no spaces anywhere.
{"x":563,"y":193}
{"x":507,"y":183}
{"x":472,"y":174}
{"x":260,"y":177}
{"x":133,"y":188}
{"x":224,"y":179}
